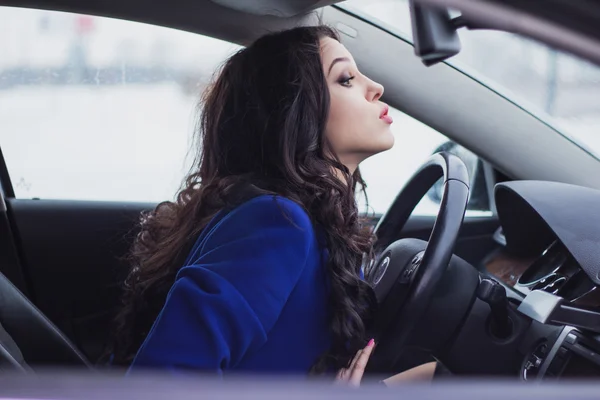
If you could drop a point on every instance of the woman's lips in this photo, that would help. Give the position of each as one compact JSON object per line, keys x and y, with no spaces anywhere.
{"x":385,"y":116}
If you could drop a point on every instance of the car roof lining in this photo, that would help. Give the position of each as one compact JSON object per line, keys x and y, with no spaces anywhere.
{"x":280,"y":8}
{"x":205,"y":17}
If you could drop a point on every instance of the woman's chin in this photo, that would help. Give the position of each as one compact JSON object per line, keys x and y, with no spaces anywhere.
{"x":381,"y":147}
{"x":386,"y":141}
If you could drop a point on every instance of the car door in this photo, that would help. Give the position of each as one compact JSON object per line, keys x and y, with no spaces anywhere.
{"x":96,"y":116}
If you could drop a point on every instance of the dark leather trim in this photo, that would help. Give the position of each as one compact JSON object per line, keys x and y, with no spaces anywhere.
{"x":11,"y":358}
{"x":39,"y":340}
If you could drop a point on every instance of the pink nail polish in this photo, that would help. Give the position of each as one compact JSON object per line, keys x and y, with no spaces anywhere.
{"x":371,"y":342}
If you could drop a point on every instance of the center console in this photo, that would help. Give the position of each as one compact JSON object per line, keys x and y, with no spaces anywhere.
{"x":573,"y":355}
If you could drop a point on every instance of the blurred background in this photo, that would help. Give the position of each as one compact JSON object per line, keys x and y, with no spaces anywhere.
{"x":95,"y":108}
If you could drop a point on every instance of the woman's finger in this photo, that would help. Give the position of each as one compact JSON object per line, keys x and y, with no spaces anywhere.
{"x":344,"y":373}
{"x":355,"y":370}
{"x":353,"y":362}
{"x":358,"y":370}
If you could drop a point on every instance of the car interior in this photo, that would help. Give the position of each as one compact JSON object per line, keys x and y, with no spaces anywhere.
{"x":512,"y":292}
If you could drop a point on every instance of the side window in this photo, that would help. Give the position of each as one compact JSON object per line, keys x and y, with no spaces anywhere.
{"x":96,"y":108}
{"x":387,"y":173}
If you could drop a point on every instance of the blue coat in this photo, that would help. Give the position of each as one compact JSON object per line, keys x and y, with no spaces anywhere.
{"x":252,"y":296}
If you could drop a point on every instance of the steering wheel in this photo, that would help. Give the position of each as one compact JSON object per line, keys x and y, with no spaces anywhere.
{"x":408,"y":271}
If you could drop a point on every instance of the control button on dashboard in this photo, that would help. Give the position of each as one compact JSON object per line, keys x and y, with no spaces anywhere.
{"x":534,"y":362}
{"x":571,"y":338}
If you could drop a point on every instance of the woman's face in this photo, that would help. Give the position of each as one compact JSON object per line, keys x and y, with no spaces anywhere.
{"x":358,"y":125}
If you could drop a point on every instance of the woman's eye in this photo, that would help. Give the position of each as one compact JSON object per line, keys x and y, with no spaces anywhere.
{"x":346,"y":81}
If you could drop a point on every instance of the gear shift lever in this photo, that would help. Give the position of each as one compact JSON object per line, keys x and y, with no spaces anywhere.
{"x":494,"y":294}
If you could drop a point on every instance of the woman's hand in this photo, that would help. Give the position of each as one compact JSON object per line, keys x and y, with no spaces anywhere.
{"x":354,"y":373}
{"x":420,"y":373}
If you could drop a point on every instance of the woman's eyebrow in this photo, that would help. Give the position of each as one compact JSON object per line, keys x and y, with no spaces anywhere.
{"x":337,"y":60}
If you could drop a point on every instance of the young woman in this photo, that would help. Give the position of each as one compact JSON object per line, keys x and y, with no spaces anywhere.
{"x":256,"y":267}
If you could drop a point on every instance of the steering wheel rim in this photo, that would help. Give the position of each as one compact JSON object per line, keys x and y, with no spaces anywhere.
{"x":426,"y":268}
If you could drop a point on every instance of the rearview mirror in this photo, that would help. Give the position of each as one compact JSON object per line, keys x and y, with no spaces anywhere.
{"x":434,"y":34}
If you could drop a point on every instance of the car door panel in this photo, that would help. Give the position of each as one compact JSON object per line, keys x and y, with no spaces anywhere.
{"x":73,"y":258}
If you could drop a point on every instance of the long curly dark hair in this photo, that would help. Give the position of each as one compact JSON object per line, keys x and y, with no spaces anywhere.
{"x":261,"y":132}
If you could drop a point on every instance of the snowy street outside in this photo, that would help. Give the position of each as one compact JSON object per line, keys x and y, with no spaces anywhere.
{"x":130,"y":144}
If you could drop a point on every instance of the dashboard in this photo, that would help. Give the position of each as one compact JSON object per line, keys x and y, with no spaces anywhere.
{"x":549,"y":254}
{"x":554,"y":270}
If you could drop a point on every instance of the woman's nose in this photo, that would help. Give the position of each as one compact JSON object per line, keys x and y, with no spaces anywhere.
{"x":376,"y":91}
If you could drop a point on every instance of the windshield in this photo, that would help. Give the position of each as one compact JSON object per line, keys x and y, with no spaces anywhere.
{"x":558,"y":88}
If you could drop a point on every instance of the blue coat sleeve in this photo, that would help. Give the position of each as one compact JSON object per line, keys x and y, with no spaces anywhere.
{"x":223,"y":305}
